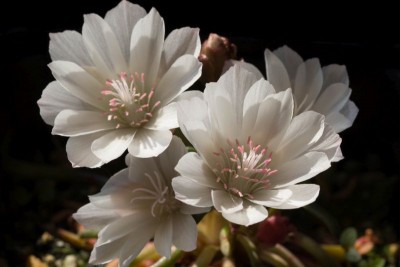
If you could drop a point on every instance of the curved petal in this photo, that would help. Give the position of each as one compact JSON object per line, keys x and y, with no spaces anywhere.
{"x":243,"y":64}
{"x":335,"y":74}
{"x":170,"y":158}
{"x":93,"y":217}
{"x":332,"y":99}
{"x":178,"y":43}
{"x":78,"y":82}
{"x":193,"y":167}
{"x":300,"y":169}
{"x":329,"y":143}
{"x":191,"y":193}
{"x":122,"y":19}
{"x":274,"y":116}
{"x":164,"y":118}
{"x":163,"y":237}
{"x":257,"y":93}
{"x":270,"y":198}
{"x":308,"y":84}
{"x":80,"y":153}
{"x":303,"y":132}
{"x":107,"y":252}
{"x":225,"y":202}
{"x":68,"y":46}
{"x":302,"y":195}
{"x":147,"y":40}
{"x":250,"y":214}
{"x":80,"y":122}
{"x":149,"y":143}
{"x":102,"y":46}
{"x":182,"y":74}
{"x":277,"y":74}
{"x":188,"y":209}
{"x":184,"y":234}
{"x":55,"y":99}
{"x":290,"y":59}
{"x":113,"y":144}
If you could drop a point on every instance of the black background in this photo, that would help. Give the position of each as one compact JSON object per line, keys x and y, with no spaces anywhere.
{"x":366,"y":38}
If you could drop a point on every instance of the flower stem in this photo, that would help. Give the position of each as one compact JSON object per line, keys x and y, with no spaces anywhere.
{"x":170,"y":262}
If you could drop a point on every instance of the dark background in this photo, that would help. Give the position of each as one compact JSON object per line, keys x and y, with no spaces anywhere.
{"x":39,"y":189}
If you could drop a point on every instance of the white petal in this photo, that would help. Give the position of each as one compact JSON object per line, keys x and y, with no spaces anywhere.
{"x":329,"y":143}
{"x":164,"y":119}
{"x":184,"y":232}
{"x":225,"y":202}
{"x":113,"y":144}
{"x":79,"y":151}
{"x":141,"y":230}
{"x":257,"y":93}
{"x":308,"y":84}
{"x":332,"y":99}
{"x":55,"y":99}
{"x":178,"y":43}
{"x":270,"y":198}
{"x":68,"y":46}
{"x":338,"y":121}
{"x":93,"y":217}
{"x":170,"y":157}
{"x":225,"y":100}
{"x":302,"y":195}
{"x":119,"y":181}
{"x":193,"y":167}
{"x":303,"y":132}
{"x":243,"y":64}
{"x":344,"y":119}
{"x":187,"y":95}
{"x":290,"y":59}
{"x":188,"y":209}
{"x":146,"y":45}
{"x":78,"y":82}
{"x":102,"y":45}
{"x":182,"y":74}
{"x":191,"y":193}
{"x":250,"y":214}
{"x":274,"y":116}
{"x":80,"y":122}
{"x":276,"y":72}
{"x":149,"y":143}
{"x":107,"y":252}
{"x":335,"y":74}
{"x":163,"y":237}
{"x":122,"y":19}
{"x":118,"y":229}
{"x":192,"y":108}
{"x":300,"y":169}
{"x":138,"y":167}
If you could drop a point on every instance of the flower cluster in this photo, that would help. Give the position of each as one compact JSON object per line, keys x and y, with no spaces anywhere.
{"x":121,"y":85}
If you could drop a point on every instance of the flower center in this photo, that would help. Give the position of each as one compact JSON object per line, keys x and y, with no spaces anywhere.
{"x":243,"y":168}
{"x":158,"y":196}
{"x":130,"y":99}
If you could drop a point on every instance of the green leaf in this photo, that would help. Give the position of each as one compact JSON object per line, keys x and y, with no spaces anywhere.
{"x":348,"y":237}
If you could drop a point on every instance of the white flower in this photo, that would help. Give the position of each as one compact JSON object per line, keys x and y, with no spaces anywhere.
{"x":324,"y":90}
{"x":116,"y":84}
{"x":252,"y":151}
{"x":137,"y":204}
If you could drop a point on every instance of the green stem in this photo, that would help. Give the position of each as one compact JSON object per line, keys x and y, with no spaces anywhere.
{"x":250,"y":249}
{"x":273,"y":259}
{"x":170,"y":262}
{"x":314,"y":249}
{"x":206,"y":256}
{"x":291,"y":259}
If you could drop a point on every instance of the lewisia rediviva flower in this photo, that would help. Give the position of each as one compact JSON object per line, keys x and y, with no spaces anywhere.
{"x":252,"y":151}
{"x":116,"y":84}
{"x":137,"y":204}
{"x":324,"y":90}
